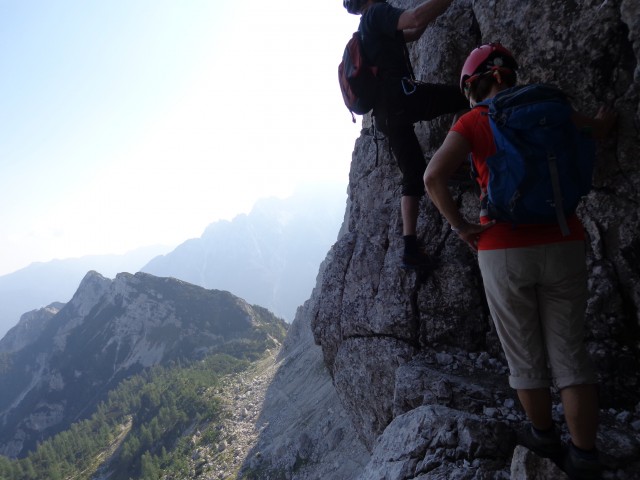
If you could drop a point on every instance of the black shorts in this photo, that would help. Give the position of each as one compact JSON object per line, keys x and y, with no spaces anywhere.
{"x":395,"y":114}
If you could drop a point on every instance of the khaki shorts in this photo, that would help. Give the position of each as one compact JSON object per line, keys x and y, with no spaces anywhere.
{"x":537,"y":296}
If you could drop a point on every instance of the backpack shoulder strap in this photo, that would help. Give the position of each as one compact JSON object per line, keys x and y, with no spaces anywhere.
{"x":528,"y":94}
{"x":407,"y":59}
{"x":359,"y":38}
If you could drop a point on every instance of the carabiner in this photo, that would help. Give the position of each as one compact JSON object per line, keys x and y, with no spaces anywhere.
{"x":412,"y":85}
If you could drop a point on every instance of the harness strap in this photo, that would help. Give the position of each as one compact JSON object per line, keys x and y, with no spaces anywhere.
{"x":557,"y":194}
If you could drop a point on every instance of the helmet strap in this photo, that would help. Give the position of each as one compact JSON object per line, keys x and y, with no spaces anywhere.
{"x":497,"y":75}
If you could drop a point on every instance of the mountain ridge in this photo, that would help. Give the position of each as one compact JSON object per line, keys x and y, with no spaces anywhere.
{"x":108,"y":331}
{"x":43,"y":283}
{"x":269,"y":257}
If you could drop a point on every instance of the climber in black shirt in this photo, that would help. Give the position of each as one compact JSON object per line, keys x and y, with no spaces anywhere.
{"x":402,"y":101}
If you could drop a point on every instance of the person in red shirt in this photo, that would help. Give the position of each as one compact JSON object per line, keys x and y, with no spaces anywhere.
{"x":535,"y":277}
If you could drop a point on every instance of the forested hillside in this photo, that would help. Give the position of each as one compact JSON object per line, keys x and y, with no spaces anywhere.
{"x":145,"y":428}
{"x":126,"y":379}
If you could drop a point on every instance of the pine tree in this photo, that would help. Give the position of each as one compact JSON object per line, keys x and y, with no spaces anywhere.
{"x":29,"y":473}
{"x":149,"y":467}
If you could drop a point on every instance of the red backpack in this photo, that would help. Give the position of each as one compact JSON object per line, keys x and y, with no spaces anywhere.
{"x":358,"y":79}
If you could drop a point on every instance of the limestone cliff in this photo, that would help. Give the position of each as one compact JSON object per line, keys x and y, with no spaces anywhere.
{"x":414,"y":359}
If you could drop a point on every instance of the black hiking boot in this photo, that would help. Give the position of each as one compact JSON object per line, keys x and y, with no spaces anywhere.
{"x":416,"y":261}
{"x":543,"y":444}
{"x":580,"y":464}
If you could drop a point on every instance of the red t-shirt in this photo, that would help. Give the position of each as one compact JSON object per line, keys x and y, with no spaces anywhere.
{"x":474,"y":127}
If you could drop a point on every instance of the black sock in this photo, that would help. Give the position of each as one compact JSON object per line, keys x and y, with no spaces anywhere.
{"x":587,"y":454}
{"x":410,"y":244}
{"x":546,"y":432}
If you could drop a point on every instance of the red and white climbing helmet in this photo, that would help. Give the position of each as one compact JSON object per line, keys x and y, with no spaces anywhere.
{"x":486,"y":58}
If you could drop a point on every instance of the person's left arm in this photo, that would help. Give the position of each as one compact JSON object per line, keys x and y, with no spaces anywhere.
{"x":413,"y":22}
{"x":600,"y":125}
{"x":449,"y":157}
{"x":413,"y":34}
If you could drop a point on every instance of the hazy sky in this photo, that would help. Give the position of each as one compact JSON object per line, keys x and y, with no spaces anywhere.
{"x":127,"y":123}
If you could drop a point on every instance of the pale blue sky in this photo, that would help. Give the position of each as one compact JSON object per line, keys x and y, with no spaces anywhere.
{"x":127,"y":123}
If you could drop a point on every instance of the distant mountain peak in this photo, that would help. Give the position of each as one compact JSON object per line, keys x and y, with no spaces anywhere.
{"x":29,"y":327}
{"x":269,"y":257}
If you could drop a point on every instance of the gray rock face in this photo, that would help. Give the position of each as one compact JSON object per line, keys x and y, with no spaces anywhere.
{"x":415,"y":359}
{"x":526,"y":465}
{"x":305,"y":432}
{"x":439,"y":443}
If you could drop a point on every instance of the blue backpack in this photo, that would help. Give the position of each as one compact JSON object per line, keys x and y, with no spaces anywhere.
{"x":543,"y":165}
